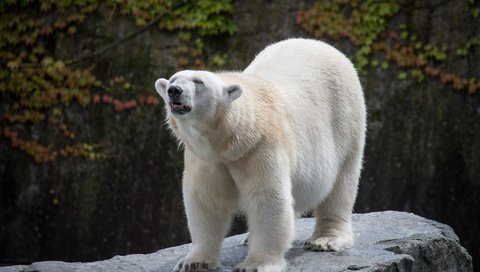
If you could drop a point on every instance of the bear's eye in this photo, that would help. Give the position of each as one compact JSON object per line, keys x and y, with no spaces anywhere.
{"x":196,"y":80}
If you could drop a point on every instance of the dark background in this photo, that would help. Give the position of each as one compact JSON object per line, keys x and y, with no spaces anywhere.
{"x":116,"y":190}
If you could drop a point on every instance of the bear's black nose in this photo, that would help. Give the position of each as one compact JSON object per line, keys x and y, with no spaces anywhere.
{"x":174,"y":92}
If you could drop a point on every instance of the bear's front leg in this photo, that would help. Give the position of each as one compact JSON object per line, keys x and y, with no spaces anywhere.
{"x":210,"y":198}
{"x":265,"y":191}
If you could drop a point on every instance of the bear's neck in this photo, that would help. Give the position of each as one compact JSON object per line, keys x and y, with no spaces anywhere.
{"x":226,"y":138}
{"x":237,"y":128}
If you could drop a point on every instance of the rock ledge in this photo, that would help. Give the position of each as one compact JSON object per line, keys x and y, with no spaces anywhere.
{"x":384,"y":241}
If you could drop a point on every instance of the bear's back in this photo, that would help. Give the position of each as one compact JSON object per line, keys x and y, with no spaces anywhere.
{"x":314,"y":78}
{"x":300,"y":61}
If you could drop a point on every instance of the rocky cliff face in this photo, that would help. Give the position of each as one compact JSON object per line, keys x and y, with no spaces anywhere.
{"x":384,"y":241}
{"x":422,"y":151}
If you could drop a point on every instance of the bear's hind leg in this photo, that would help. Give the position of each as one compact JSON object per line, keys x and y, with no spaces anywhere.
{"x":333,"y":228}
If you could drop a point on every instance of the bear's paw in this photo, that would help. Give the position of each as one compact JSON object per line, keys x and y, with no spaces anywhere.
{"x":261,"y":263}
{"x":329,"y":243}
{"x":192,"y":265}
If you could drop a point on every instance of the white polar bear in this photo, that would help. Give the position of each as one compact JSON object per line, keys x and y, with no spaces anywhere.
{"x":286,"y":135}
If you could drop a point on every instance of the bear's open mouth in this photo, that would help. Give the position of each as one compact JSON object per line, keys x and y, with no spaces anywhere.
{"x":180,"y":108}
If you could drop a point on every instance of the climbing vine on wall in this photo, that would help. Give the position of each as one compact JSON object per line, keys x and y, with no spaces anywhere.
{"x":365,"y":24}
{"x":194,"y":21}
{"x":40,"y":87}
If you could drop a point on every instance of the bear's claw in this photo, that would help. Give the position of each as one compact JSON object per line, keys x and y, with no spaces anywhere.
{"x":244,"y":270}
{"x":194,"y":267}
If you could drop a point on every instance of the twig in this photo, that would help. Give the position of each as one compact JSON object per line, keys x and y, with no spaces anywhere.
{"x":118,"y":42}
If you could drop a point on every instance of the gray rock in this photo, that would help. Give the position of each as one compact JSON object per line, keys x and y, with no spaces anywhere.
{"x":384,"y":241}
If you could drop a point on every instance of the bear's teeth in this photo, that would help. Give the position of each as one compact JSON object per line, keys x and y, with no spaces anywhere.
{"x":179,"y":106}
{"x":176,"y":105}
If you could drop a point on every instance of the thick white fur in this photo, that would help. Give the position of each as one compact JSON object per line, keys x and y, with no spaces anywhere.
{"x":285,"y":135}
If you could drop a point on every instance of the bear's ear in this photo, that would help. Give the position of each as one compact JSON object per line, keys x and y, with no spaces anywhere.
{"x":161,"y":87}
{"x":232,"y":92}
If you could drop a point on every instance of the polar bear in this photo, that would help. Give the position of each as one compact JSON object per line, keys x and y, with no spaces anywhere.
{"x":282,"y":137}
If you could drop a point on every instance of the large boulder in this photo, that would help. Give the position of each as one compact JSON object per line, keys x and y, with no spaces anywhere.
{"x":384,"y":241}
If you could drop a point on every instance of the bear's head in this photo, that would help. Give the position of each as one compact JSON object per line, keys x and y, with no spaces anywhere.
{"x":196,"y":94}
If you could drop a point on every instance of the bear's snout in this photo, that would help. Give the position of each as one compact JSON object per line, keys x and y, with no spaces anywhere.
{"x":174,"y":92}
{"x":178,"y":104}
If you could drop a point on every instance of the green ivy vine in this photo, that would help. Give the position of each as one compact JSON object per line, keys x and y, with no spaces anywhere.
{"x":40,"y":87}
{"x":366,"y":25}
